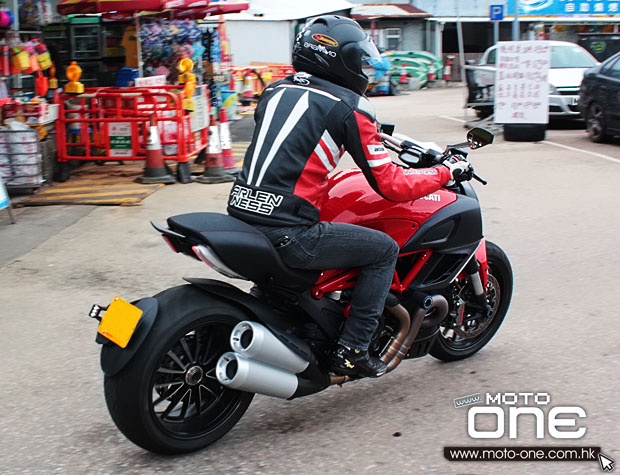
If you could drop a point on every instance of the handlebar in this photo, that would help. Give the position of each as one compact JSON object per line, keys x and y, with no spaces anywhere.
{"x":417,"y":149}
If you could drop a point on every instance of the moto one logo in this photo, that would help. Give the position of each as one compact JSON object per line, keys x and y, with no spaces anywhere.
{"x":432,"y":197}
{"x":564,"y":417}
{"x":261,"y":202}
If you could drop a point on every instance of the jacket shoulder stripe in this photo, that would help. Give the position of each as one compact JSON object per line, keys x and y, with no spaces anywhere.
{"x":323,"y":156}
{"x":331,"y":145}
{"x":379,"y":162}
{"x":311,"y":89}
{"x":266,"y":123}
{"x":298,"y":111}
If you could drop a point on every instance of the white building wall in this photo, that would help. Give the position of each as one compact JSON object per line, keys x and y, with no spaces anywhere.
{"x":262,"y":41}
{"x":441,"y":8}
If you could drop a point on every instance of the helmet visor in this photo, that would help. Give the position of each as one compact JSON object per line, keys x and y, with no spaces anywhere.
{"x":370,"y":53}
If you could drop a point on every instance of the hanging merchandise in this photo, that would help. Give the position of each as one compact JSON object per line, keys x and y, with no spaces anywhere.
{"x":41,"y":85}
{"x":224,"y":43}
{"x":214,"y":94}
{"x":33,"y":66}
{"x":29,"y":12}
{"x":215,"y":55}
{"x":130,"y":43}
{"x":43,"y":55}
{"x":19,"y":60}
{"x":212,"y":56}
{"x":165,"y":42}
{"x":6,"y":18}
{"x":5,"y":68}
{"x":35,"y":12}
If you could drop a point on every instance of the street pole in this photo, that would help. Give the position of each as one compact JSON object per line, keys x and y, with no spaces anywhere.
{"x":515,"y":22}
{"x":459,"y":32}
{"x":495,"y":32}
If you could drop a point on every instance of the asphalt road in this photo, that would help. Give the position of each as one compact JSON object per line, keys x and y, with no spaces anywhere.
{"x":551,"y":206}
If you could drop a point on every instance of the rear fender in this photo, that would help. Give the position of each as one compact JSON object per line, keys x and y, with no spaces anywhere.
{"x":115,"y":358}
{"x":260,"y":312}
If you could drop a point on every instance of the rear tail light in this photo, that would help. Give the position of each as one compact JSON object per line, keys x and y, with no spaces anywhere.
{"x":206,"y":255}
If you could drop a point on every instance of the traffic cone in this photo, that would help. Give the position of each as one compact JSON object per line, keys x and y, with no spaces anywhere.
{"x":247,"y":94}
{"x":431,"y":74}
{"x":403,"y":75}
{"x":154,"y":168}
{"x":226,"y":141}
{"x":233,"y":85}
{"x":447,"y":70}
{"x":214,"y":162}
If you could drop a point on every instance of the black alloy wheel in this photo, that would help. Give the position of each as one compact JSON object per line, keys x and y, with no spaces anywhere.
{"x":167,"y":399}
{"x":187,"y":400}
{"x":595,"y":123}
{"x":456,"y":342}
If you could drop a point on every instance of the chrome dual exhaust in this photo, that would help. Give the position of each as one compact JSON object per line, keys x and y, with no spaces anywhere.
{"x":259,"y":363}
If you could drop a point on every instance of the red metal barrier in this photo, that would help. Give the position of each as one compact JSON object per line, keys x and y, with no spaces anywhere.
{"x":111,"y":123}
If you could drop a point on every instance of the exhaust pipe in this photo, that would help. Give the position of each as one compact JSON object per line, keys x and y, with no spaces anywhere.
{"x":260,"y":363}
{"x":253,"y":341}
{"x":236,"y":372}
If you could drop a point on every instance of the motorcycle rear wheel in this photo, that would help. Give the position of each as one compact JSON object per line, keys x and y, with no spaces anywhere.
{"x":167,"y":399}
{"x":499,"y":287}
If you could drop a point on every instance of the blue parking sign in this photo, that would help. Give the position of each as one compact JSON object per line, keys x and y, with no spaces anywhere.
{"x":496,"y":12}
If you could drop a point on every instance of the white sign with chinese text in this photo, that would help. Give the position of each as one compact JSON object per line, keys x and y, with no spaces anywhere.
{"x":151,"y":81}
{"x":120,"y":139}
{"x":200,"y":115}
{"x":522,"y":82}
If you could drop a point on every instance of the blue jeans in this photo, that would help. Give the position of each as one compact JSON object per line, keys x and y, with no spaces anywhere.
{"x":326,"y":246}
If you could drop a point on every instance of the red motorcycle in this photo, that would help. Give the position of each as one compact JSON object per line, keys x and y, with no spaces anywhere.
{"x":182,"y":367}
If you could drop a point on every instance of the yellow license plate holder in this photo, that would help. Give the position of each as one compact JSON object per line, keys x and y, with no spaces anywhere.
{"x":119,"y":322}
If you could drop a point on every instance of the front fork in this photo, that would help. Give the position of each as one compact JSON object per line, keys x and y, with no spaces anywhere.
{"x":476,"y":271}
{"x":472,"y":269}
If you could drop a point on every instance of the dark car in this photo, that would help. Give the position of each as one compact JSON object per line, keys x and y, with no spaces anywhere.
{"x":599,"y":99}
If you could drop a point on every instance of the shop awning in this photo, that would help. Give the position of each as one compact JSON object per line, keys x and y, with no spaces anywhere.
{"x":197,"y":8}
{"x":71,"y":7}
{"x":209,"y":7}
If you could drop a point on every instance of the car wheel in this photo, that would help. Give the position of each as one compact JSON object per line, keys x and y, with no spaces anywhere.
{"x":484,"y":112}
{"x":595,"y":123}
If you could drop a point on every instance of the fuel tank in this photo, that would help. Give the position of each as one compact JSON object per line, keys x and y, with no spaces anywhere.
{"x":434,"y":221}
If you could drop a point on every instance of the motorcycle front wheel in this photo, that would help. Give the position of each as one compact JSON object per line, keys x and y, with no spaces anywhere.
{"x":458,"y":342}
{"x":167,"y":399}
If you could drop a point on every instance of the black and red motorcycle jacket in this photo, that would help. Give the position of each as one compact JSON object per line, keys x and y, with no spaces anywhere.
{"x":304,"y":124}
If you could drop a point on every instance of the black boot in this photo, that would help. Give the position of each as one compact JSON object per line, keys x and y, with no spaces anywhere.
{"x":349,"y":362}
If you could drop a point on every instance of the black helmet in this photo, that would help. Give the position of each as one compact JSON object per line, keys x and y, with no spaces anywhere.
{"x":335,"y":48}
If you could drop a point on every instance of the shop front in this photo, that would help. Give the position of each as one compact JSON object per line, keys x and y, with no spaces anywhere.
{"x":100,"y":73}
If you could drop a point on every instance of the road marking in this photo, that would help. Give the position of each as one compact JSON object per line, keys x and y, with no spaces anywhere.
{"x":452,"y":118}
{"x":575,"y":149}
{"x":567,"y":147}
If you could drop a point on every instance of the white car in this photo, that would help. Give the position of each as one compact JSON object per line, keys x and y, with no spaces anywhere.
{"x":568,"y":63}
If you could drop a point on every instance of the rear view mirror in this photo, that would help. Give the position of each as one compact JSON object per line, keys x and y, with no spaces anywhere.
{"x":479,"y":137}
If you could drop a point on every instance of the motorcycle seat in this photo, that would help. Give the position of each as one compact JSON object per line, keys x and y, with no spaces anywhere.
{"x":242,"y":247}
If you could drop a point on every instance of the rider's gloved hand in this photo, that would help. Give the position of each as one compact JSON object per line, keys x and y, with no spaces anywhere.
{"x":460,"y":170}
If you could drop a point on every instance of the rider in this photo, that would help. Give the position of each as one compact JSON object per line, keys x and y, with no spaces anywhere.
{"x":304,"y":124}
